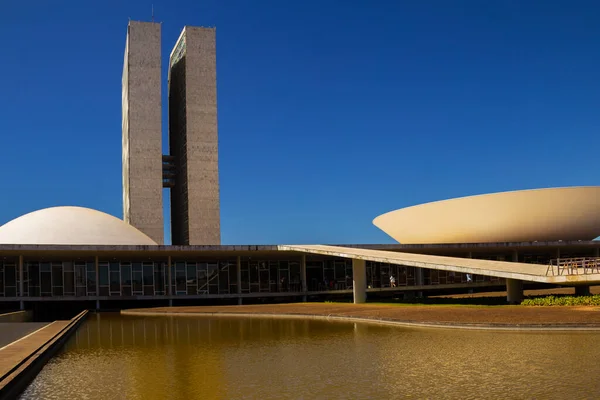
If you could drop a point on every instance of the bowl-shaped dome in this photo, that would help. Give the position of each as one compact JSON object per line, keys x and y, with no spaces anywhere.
{"x":71,"y":226}
{"x":571,"y":213}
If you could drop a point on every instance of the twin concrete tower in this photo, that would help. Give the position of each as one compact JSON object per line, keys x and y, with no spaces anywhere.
{"x":190,"y":171}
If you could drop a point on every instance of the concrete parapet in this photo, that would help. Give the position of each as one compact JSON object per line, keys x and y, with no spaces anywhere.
{"x":17,"y":316}
{"x":23,"y":359}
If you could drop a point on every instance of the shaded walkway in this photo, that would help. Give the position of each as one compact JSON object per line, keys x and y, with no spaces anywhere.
{"x":11,"y":331}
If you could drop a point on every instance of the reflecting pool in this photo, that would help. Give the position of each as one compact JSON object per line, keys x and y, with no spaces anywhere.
{"x":124,"y":357}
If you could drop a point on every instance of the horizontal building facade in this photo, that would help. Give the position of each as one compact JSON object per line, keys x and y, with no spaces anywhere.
{"x":36,"y":273}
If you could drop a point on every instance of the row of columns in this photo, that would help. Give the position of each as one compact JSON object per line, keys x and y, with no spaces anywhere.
{"x":514,"y":287}
{"x":359,"y":272}
{"x":169,"y":278}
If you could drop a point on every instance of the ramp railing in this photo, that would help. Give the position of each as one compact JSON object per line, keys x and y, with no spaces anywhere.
{"x":573,"y":266}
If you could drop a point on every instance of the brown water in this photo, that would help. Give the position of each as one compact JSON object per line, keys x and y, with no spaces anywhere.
{"x":119,"y":357}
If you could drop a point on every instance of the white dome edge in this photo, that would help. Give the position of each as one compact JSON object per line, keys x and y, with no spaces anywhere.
{"x":71,"y":225}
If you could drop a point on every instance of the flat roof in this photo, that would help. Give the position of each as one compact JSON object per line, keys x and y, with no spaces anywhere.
{"x":275,"y":247}
{"x":460,"y":249}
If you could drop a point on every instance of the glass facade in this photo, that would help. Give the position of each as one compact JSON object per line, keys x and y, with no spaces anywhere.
{"x":378,"y":275}
{"x":8,"y":278}
{"x":119,"y":278}
{"x":270,"y":276}
{"x":198,"y":277}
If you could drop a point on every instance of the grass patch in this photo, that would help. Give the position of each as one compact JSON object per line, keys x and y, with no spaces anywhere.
{"x":549,"y":301}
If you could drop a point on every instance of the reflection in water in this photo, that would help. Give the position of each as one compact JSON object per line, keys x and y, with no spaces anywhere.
{"x":123,"y":357}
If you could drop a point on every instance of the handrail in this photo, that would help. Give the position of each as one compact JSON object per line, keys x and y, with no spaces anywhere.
{"x":211,"y":278}
{"x":573,"y":266}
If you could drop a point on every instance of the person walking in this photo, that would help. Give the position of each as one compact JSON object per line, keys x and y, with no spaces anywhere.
{"x":392,"y":281}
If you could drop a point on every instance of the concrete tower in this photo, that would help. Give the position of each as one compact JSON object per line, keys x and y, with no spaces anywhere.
{"x":193,"y":139}
{"x":142,"y":145}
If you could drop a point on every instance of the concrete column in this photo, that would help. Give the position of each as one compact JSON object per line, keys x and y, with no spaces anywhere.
{"x":97,"y":304}
{"x":359,"y":275}
{"x":514,"y":291}
{"x":419,"y":280}
{"x":169,"y":280}
{"x":582,"y":290}
{"x":558,"y":261}
{"x":515,"y":256}
{"x":419,"y":276}
{"x":303,"y":276}
{"x":170,"y":302}
{"x":470,"y":276}
{"x":238,"y":269}
{"x":596,"y":252}
{"x":21,"y":291}
{"x":96,"y":262}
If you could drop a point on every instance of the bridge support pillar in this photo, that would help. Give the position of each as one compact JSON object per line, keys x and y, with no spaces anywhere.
{"x":514,"y":291}
{"x":582,"y":290}
{"x":359,"y":275}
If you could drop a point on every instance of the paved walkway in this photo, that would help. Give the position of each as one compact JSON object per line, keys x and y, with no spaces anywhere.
{"x":12,"y":354}
{"x":468,"y":316}
{"x":11,"y":331}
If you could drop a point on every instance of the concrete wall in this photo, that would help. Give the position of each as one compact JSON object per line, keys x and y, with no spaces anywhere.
{"x":17,"y":316}
{"x":178,"y":142}
{"x":142,"y":130}
{"x":195,"y":198}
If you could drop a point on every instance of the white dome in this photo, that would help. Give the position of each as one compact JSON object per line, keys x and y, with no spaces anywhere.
{"x":71,"y":226}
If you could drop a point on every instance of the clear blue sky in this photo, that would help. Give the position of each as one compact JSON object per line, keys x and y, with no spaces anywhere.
{"x":330,"y":112}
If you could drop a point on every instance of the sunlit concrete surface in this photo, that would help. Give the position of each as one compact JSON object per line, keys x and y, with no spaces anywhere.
{"x":11,"y":331}
{"x":569,"y":213}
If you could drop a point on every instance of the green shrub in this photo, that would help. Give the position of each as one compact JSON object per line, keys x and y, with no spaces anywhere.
{"x":563,"y":301}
